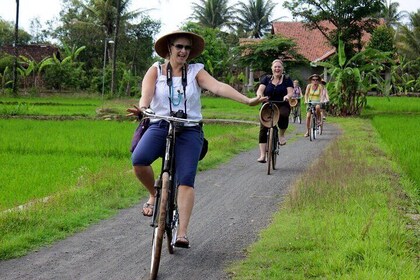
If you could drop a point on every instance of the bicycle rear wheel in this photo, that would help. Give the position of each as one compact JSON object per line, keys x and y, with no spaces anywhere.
{"x":269,"y":149}
{"x":321,"y":127}
{"x":159,"y":230}
{"x":299,"y":114}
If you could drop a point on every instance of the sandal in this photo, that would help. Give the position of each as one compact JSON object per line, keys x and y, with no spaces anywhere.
{"x":306,"y":134}
{"x":182,"y":242}
{"x":282,"y":141}
{"x":147,"y":206}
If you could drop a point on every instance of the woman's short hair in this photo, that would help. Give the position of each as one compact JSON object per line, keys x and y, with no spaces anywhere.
{"x":277,"y":60}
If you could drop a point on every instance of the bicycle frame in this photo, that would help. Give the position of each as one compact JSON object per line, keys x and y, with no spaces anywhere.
{"x":296,"y":112}
{"x":272,"y":147}
{"x":315,"y":128}
{"x":165,"y":212}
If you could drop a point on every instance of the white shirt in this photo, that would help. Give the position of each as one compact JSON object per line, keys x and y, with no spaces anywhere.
{"x":160,"y":102}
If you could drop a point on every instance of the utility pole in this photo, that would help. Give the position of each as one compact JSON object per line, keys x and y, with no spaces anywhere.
{"x":15,"y":49}
{"x":114,"y":49}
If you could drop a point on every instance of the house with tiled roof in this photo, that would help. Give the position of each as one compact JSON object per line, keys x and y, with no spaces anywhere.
{"x":33,"y":52}
{"x":311,"y":44}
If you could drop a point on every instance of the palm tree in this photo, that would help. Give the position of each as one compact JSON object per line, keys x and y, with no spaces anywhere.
{"x":390,"y":13}
{"x":254,"y":17}
{"x":408,"y":40}
{"x":213,"y":13}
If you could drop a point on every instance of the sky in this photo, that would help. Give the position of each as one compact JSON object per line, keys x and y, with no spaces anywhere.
{"x":172,"y":13}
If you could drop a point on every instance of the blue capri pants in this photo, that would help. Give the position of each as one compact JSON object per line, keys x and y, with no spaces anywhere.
{"x":188,"y":144}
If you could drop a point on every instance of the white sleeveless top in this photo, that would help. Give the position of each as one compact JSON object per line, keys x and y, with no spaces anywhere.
{"x":160,"y":102}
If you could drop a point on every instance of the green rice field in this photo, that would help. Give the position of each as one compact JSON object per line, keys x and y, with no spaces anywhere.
{"x":70,"y":173}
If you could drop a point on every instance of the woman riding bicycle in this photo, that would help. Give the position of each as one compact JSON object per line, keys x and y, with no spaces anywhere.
{"x":169,"y":88}
{"x":314,"y":93}
{"x":277,"y":87}
{"x":297,"y":91}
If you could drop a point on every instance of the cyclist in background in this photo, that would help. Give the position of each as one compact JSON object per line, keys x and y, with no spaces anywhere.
{"x":297,"y":91}
{"x":277,"y":87}
{"x":313,"y":92}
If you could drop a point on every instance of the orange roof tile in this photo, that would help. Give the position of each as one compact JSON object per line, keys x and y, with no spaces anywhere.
{"x":310,"y":43}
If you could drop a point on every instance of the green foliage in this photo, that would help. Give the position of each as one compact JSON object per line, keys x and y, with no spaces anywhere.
{"x":345,"y":218}
{"x":213,"y":13}
{"x":86,"y":25}
{"x":409,"y":37}
{"x":7,"y":34}
{"x":405,"y":76}
{"x":216,"y":57}
{"x":353,"y":78}
{"x":6,"y":78}
{"x":254,"y":17}
{"x":6,"y":60}
{"x":66,"y":73}
{"x":382,"y":39}
{"x":390,"y":14}
{"x":259,"y":54}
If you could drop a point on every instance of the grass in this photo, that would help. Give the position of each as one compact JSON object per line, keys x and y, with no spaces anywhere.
{"x":71,"y":174}
{"x":51,"y":106}
{"x":349,"y":216}
{"x":347,"y":222}
{"x":341,"y":219}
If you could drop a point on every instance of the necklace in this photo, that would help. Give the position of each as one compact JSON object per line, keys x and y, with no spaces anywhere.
{"x":172,"y":100}
{"x":179,"y":98}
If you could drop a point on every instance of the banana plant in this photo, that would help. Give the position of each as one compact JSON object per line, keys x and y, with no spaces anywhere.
{"x":353,"y":78}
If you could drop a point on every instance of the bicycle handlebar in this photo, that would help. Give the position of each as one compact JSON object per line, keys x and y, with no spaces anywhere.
{"x":316,"y":102}
{"x":275,"y":101}
{"x":151,"y":115}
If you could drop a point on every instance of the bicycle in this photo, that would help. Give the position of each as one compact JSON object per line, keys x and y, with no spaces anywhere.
{"x":296,"y":111}
{"x":316,"y":124}
{"x":165,"y":217}
{"x":272,"y":147}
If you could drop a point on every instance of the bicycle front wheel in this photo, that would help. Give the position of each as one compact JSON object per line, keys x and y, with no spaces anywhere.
{"x":173,"y":219}
{"x":269,"y":149}
{"x":159,"y":230}
{"x":313,"y":128}
{"x":275,"y":148}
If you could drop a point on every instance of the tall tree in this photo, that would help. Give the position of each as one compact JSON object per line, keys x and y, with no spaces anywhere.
{"x":408,"y":39}
{"x":390,"y":13}
{"x":213,"y":13}
{"x":7,"y":34}
{"x":350,"y":18}
{"x":254,"y":17}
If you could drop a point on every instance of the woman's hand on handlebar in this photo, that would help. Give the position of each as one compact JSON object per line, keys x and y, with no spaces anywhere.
{"x":137,"y":112}
{"x":257,"y":100}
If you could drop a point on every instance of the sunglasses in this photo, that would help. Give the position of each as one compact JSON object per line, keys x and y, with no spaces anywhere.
{"x":180,"y":47}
